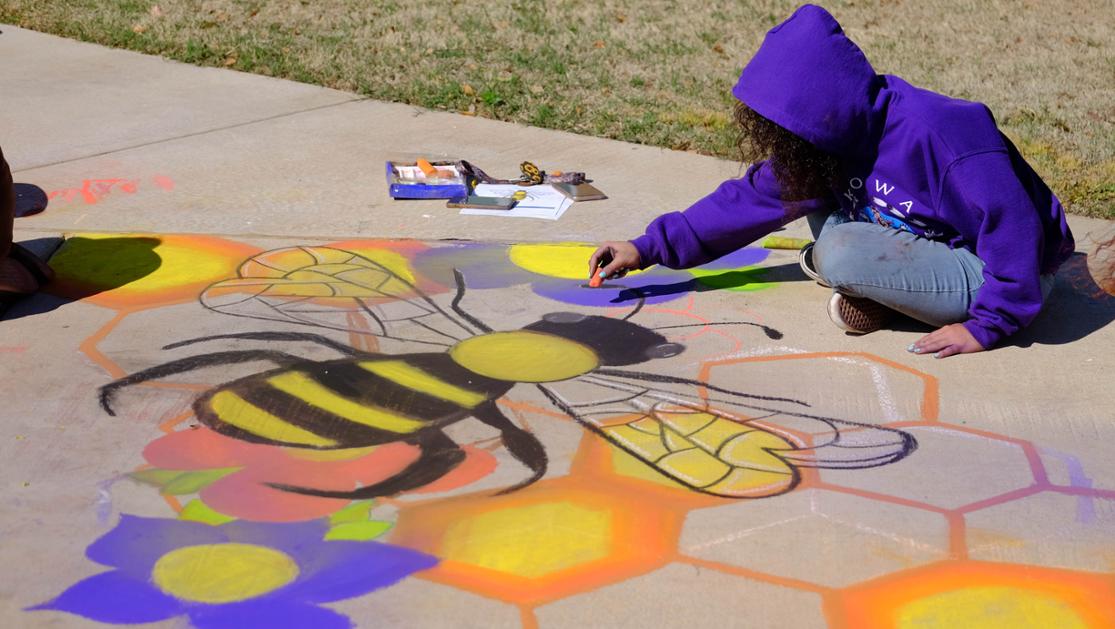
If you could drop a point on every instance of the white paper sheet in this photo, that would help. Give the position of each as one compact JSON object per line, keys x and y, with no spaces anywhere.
{"x":541,"y":201}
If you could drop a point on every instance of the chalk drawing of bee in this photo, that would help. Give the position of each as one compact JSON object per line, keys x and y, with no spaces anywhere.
{"x":707,"y":438}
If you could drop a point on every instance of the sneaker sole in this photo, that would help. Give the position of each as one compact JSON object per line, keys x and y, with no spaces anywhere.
{"x":806,"y":253}
{"x":871,"y":323}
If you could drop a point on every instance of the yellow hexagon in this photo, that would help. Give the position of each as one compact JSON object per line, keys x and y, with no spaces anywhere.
{"x":530,"y":541}
{"x":988,"y":608}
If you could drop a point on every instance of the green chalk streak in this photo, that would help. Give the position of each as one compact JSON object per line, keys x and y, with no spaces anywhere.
{"x":179,"y":482}
{"x":355,"y":512}
{"x":197,"y":511}
{"x":745,"y":279}
{"x":358,"y":531}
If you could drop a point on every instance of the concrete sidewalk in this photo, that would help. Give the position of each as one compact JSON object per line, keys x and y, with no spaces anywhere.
{"x":867,"y":488}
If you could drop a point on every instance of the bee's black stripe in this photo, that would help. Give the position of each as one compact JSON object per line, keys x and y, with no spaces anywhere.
{"x":358,"y":384}
{"x":441,"y":366}
{"x":319,"y":421}
{"x":239,"y":410}
{"x":347,"y":403}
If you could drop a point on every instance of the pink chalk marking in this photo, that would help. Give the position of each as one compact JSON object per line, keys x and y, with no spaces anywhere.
{"x":92,"y":191}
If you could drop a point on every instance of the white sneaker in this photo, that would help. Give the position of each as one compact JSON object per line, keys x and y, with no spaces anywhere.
{"x":805,"y":261}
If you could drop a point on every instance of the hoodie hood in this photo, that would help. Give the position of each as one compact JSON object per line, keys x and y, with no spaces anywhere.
{"x":813,"y":81}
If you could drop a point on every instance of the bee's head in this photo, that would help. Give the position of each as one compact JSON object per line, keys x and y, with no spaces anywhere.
{"x":616,"y":341}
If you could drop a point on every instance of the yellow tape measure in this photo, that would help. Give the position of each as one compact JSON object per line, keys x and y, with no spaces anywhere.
{"x":532,"y":175}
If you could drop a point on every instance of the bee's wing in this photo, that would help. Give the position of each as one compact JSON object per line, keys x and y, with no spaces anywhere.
{"x":336,"y":289}
{"x":822,"y":441}
{"x":718,"y":441}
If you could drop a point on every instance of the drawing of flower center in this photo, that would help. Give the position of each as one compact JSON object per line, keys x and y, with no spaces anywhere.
{"x":223,"y":573}
{"x":524,"y":356}
{"x":565,"y":261}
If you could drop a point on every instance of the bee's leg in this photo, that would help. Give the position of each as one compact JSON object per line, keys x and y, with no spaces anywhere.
{"x":522,"y":445}
{"x":456,"y":305}
{"x":440,"y":455}
{"x":191,"y":363}
{"x":276,"y":336}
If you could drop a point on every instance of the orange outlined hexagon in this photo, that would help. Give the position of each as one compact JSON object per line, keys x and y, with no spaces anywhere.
{"x":928,"y":405}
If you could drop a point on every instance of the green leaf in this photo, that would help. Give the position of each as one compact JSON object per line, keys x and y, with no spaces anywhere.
{"x":155,"y":476}
{"x":179,"y":482}
{"x":358,"y":531}
{"x":197,"y":511}
{"x":355,"y":512}
{"x":192,"y":482}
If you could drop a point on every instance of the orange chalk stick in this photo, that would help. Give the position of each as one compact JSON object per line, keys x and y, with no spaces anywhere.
{"x":596,"y":280}
{"x":427,"y":168}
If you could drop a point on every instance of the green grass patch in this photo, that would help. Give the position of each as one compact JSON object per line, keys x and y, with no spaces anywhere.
{"x":655,"y":73}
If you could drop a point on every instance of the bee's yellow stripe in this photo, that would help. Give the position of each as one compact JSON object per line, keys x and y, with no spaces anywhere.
{"x":304,"y":388}
{"x":415,"y":379}
{"x":236,"y":411}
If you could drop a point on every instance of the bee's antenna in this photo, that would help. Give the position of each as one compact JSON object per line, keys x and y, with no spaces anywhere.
{"x":769,"y":331}
{"x":107,"y":393}
{"x":638,"y":306}
{"x":460,"y":279}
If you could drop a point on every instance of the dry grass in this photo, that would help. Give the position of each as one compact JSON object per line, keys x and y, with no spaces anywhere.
{"x":653,"y":72}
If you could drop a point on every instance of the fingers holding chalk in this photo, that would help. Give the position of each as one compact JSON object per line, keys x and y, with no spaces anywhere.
{"x":596,"y":280}
{"x":612,"y":260}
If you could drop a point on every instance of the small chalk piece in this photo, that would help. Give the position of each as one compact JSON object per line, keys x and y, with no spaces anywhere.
{"x":426,"y":167}
{"x":782,"y":242}
{"x":596,"y":280}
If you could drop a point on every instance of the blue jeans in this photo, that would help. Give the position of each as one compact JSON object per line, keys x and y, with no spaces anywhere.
{"x":921,"y":278}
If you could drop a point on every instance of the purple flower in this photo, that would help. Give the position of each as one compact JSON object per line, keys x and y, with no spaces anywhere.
{"x":557,"y":273}
{"x":234,"y":575}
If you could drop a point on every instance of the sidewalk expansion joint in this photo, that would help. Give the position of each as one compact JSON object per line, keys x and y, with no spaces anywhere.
{"x":193,"y":134}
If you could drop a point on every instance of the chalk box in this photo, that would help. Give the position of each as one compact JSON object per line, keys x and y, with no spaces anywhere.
{"x":405,"y":180}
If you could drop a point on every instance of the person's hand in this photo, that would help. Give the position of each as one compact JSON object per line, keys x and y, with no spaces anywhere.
{"x":946,"y":341}
{"x":615,"y":258}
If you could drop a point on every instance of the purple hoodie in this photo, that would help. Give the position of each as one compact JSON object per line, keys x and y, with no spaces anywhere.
{"x":938,"y":165}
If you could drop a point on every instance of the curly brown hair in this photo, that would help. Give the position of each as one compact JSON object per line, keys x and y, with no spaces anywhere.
{"x":803,"y":170}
